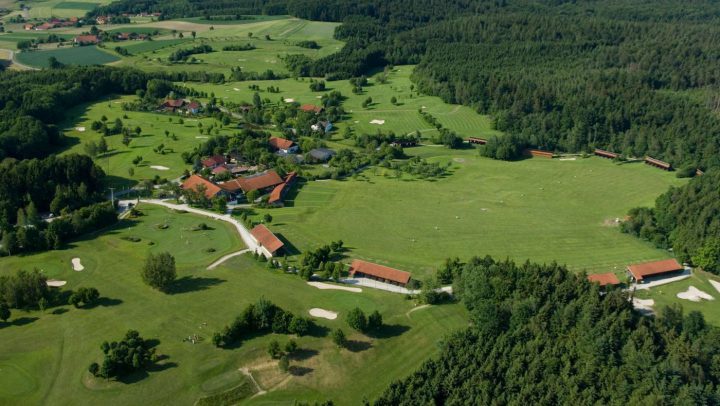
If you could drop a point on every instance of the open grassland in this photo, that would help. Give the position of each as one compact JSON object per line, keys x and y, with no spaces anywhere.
{"x":87,"y":55}
{"x":44,"y":356}
{"x":535,"y":209}
{"x":62,"y":8}
{"x":119,"y":158}
{"x":666,"y":295}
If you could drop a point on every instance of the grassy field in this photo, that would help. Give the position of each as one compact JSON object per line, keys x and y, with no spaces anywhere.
{"x":44,"y":356}
{"x":535,"y":209}
{"x":88,"y":55}
{"x":62,"y":8}
{"x":667,"y":294}
{"x":119,"y":158}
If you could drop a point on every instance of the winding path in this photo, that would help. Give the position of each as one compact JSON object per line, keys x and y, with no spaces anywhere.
{"x":226,"y":257}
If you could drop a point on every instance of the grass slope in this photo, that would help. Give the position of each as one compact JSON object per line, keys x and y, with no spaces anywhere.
{"x":88,"y":55}
{"x":45,"y":355}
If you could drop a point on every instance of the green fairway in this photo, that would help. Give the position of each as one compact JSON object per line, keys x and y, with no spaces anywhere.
{"x":44,"y":356}
{"x":535,"y":209}
{"x":87,"y":55}
{"x":61,"y":8}
{"x":665,"y":295}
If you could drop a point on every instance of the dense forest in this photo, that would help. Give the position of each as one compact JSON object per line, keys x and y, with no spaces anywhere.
{"x":543,"y":335}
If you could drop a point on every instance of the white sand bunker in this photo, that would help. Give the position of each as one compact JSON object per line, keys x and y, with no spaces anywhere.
{"x":715,"y":284}
{"x":323,"y":285}
{"x":325,"y":314}
{"x":378,"y":122}
{"x":236,"y":89}
{"x":461,"y":160}
{"x":288,"y":100}
{"x":202,"y":137}
{"x":160,"y":167}
{"x":77,"y":266}
{"x":643,"y":304}
{"x":81,"y":129}
{"x":55,"y":283}
{"x":694,"y":294}
{"x":567,"y":159}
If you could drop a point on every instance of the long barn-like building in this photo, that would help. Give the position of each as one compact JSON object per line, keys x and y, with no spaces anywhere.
{"x":364,"y":269}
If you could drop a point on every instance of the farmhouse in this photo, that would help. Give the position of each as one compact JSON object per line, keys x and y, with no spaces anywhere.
{"x":44,"y":26}
{"x":658,"y":163}
{"x":220,"y":169}
{"x":538,"y":153}
{"x":364,"y":269}
{"x":213,"y":161}
{"x":604,"y":279}
{"x":657,"y":268}
{"x":28,"y":27}
{"x":476,"y":140}
{"x":260,"y":181}
{"x":321,"y":154}
{"x":86,"y":40}
{"x":278,"y":194}
{"x":197,"y":183}
{"x":282,"y":145}
{"x":193,"y":107}
{"x":605,"y":154}
{"x":268,"y":242}
{"x":311,"y":108}
{"x":172,"y":105}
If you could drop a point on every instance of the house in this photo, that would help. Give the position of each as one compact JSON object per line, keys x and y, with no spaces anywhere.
{"x":364,"y":269}
{"x":476,"y":140}
{"x":324,"y":126}
{"x":658,"y":163}
{"x":604,"y":279}
{"x":197,"y":183}
{"x":538,"y":153}
{"x":282,"y":145}
{"x":28,"y":27}
{"x":193,"y":107}
{"x":260,"y":182}
{"x":268,"y":242}
{"x":278,"y":193}
{"x":606,"y":154}
{"x":699,"y":172}
{"x":404,"y":143}
{"x":321,"y":154}
{"x":220,"y":169}
{"x":311,"y":108}
{"x":123,"y":36}
{"x":44,"y":26}
{"x":657,"y":268}
{"x":86,"y":40}
{"x":213,"y":161}
{"x":101,"y":20}
{"x":172,"y":105}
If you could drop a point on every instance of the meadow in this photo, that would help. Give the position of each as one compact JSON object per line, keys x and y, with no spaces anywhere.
{"x":44,"y":355}
{"x":62,"y":8}
{"x":536,"y":209}
{"x":87,"y":55}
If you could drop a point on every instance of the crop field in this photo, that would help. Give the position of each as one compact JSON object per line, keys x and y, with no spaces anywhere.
{"x":60,"y":8}
{"x":119,"y":157}
{"x":87,"y":55}
{"x":535,"y":209}
{"x":44,"y":355}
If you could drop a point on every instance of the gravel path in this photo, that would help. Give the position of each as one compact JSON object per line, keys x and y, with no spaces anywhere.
{"x":225,"y":258}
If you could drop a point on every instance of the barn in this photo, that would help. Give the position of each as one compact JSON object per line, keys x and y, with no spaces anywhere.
{"x":381,"y":273}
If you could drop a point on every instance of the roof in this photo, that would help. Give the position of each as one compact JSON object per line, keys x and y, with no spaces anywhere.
{"x":639,"y":271}
{"x":604,"y":278}
{"x":86,"y":38}
{"x":321,"y":154}
{"x":380,"y":271}
{"x":277,"y":194}
{"x":174,"y":103}
{"x":220,"y":169}
{"x":213,"y":161}
{"x":266,"y":238}
{"x":280,"y":143}
{"x":193,"y":105}
{"x":194,"y":181}
{"x":259,"y":181}
{"x":311,"y":108}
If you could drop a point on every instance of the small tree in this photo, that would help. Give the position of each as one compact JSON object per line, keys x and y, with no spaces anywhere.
{"x":357,"y":320}
{"x":42,"y":304}
{"x":4,"y":312}
{"x":291,"y":347}
{"x":284,"y":363}
{"x":338,"y":338}
{"x":274,"y":349}
{"x":393,"y":100}
{"x":94,"y":368}
{"x":159,"y":271}
{"x":267,"y":218}
{"x":375,"y":321}
{"x":102,"y":146}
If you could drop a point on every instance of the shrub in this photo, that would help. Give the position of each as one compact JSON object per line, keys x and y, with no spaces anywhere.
{"x":357,"y":320}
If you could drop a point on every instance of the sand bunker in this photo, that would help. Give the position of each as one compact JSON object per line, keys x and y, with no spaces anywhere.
{"x":567,"y":159}
{"x":55,"y":283}
{"x":379,"y":122}
{"x":643,"y":304}
{"x":160,"y":167}
{"x":77,"y":266}
{"x":236,"y":89}
{"x":202,"y":137}
{"x":81,"y":129}
{"x":461,"y":160}
{"x":288,"y":100}
{"x":323,"y":285}
{"x":715,"y":284}
{"x":694,"y":294}
{"x":325,"y":314}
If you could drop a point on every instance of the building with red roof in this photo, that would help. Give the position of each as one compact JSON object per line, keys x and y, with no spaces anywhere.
{"x":364,"y":269}
{"x":604,"y":279}
{"x":283,"y":145}
{"x":197,"y":183}
{"x":266,"y":239}
{"x":658,"y":163}
{"x":220,"y":169}
{"x":656,"y":268}
{"x":278,"y":194}
{"x":311,"y":108}
{"x":86,"y":39}
{"x":213,"y":161}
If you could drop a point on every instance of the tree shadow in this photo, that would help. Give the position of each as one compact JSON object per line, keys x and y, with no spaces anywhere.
{"x":299,"y":371}
{"x":60,"y":310}
{"x":134,"y":377}
{"x":358,"y":346}
{"x":108,"y":302}
{"x":318,"y":331}
{"x":192,"y":284}
{"x":303,"y":354}
{"x":22,"y":321}
{"x":389,"y":331}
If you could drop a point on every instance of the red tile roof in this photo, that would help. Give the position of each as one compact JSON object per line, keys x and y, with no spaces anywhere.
{"x":379,"y":271}
{"x":92,"y":39}
{"x":260,"y":181}
{"x":174,"y":103}
{"x":311,"y":108}
{"x":277,"y":194}
{"x":266,"y":238}
{"x":220,"y":169}
{"x":604,"y":278}
{"x":640,"y":271}
{"x":213,"y":161}
{"x":194,"y":181}
{"x":280,"y":143}
{"x":193,"y":105}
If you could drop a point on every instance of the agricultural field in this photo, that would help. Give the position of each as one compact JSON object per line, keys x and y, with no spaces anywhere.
{"x":535,"y":209}
{"x":87,"y":55}
{"x":118,"y":160}
{"x":62,"y":8}
{"x":666,"y":295}
{"x":44,"y":355}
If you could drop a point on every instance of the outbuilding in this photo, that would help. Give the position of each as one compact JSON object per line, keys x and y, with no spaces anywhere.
{"x":639,"y":272}
{"x":364,"y":269}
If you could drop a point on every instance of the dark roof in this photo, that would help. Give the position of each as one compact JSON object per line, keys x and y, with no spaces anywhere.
{"x":266,"y":238}
{"x":604,"y":278}
{"x":379,"y":271}
{"x":194,"y":181}
{"x":213,"y":161}
{"x":322,"y":154}
{"x":280,"y":143}
{"x":640,"y":271}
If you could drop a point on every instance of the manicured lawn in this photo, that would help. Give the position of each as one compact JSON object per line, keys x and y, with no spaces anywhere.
{"x":44,"y":356}
{"x":667,"y":294}
{"x":542,"y":210}
{"x":87,"y":55}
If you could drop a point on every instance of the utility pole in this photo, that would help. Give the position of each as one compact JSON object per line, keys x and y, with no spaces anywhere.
{"x":112,"y":196}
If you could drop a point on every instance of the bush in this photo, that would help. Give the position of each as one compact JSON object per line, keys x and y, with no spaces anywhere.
{"x":357,"y":320}
{"x":338,"y":338}
{"x":274,"y":349}
{"x":159,"y":271}
{"x":84,"y":297}
{"x":375,"y":321}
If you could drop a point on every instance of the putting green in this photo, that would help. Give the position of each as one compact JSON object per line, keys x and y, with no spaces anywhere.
{"x":15,"y":381}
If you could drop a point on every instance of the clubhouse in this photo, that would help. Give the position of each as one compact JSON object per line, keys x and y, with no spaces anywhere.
{"x":604,"y":279}
{"x":364,"y":269}
{"x":268,"y":242}
{"x":667,"y":267}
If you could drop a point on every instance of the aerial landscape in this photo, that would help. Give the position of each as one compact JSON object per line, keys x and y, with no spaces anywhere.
{"x":380,"y":202}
